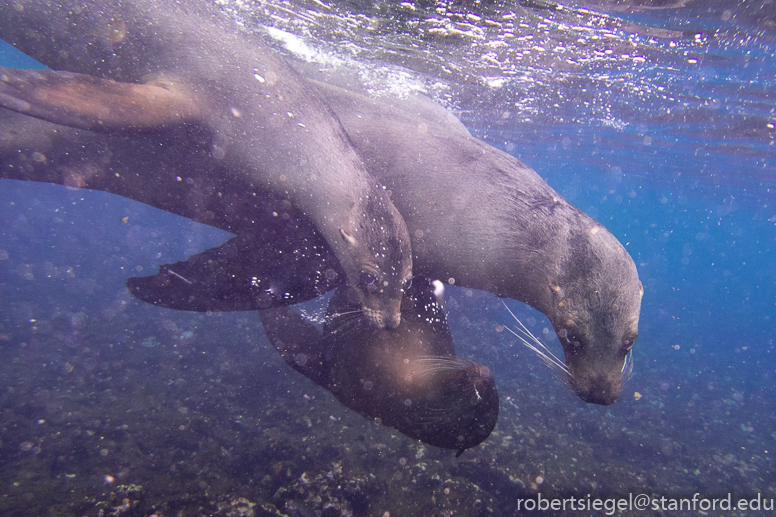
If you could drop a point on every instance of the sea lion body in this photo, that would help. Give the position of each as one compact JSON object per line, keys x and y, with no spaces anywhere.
{"x":477,"y":216}
{"x":166,"y":67}
{"x":484,"y":220}
{"x":408,"y":378}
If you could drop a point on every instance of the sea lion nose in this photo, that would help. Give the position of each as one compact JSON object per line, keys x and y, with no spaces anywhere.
{"x":601,"y":392}
{"x":392,"y":320}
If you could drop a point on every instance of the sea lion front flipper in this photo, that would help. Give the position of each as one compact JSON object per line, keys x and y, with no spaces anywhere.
{"x":88,"y":102}
{"x":247,"y":272}
{"x":297,"y":341}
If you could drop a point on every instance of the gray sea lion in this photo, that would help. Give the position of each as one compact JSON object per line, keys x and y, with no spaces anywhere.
{"x":409,"y":378}
{"x":183,"y":67}
{"x":479,"y":218}
{"x":482,"y":219}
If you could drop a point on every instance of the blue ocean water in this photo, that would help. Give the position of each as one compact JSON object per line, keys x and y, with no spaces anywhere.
{"x":673,"y":154}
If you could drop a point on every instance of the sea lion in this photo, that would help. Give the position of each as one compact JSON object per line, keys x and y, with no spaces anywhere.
{"x":184,"y":67}
{"x":479,"y":218}
{"x":409,"y":378}
{"x":482,"y":219}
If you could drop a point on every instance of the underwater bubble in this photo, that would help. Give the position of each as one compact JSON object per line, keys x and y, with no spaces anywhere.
{"x":26,"y":446}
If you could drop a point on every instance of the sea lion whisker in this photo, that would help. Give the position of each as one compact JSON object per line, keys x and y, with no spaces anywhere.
{"x":443,"y":362}
{"x":337,"y":315}
{"x":547,"y":355}
{"x":434,"y":364}
{"x":548,"y":358}
{"x":349,"y":324}
{"x":627,"y":367}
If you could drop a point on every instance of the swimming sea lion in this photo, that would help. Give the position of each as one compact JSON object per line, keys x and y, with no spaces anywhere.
{"x":184,"y":67}
{"x":478,"y":217}
{"x":409,"y":378}
{"x":484,"y":220}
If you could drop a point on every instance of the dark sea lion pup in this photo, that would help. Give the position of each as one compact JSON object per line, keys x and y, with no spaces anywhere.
{"x":409,"y":378}
{"x":163,"y":66}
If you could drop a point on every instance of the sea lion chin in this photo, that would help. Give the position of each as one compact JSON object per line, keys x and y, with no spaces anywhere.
{"x":409,"y":378}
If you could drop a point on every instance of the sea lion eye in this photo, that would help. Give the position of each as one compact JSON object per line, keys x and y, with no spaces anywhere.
{"x":367,"y":281}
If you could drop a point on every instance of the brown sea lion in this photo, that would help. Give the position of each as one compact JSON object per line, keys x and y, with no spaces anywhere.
{"x":409,"y":378}
{"x":183,"y":67}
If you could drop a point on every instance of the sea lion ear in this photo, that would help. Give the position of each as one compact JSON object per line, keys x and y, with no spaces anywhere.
{"x":554,"y":287}
{"x":348,"y":237}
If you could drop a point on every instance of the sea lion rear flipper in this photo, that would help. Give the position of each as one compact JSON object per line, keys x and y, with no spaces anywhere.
{"x":214,"y":280}
{"x":247,"y":272}
{"x":88,"y":102}
{"x":297,"y":341}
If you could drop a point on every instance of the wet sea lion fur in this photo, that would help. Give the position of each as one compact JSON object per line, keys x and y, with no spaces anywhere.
{"x":409,"y":378}
{"x":143,"y":66}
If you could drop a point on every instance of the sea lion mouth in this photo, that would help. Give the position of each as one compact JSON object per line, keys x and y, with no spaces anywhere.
{"x":382,"y":313}
{"x":599,"y":392}
{"x":387,"y":319}
{"x":601,"y":388}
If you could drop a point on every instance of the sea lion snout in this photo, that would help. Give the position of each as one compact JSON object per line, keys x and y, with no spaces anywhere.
{"x":387,"y":315}
{"x":598,"y":379}
{"x":598,"y":390}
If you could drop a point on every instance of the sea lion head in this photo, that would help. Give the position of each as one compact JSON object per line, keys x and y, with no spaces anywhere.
{"x":456,"y":404}
{"x":409,"y":378}
{"x":595,"y":305}
{"x":380,"y":269}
